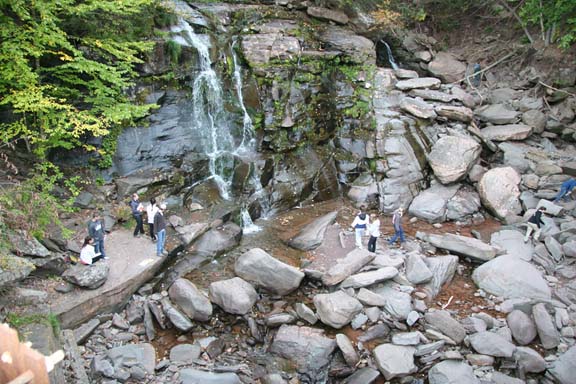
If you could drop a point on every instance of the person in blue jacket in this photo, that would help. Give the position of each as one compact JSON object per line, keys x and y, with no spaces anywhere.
{"x":565,"y":189}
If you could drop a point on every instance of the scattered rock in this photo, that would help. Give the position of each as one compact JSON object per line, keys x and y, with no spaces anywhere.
{"x":491,"y":344}
{"x":234,"y":295}
{"x":394,"y":360}
{"x":336,"y":309}
{"x":442,"y":321}
{"x":312,"y":235}
{"x":190,"y":300}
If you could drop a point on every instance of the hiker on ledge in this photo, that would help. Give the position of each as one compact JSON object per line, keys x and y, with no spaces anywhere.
{"x":97,"y":233}
{"x":87,"y":254}
{"x":160,"y":229}
{"x":534,"y":224}
{"x":137,"y":209}
{"x":398,"y":231}
{"x":359,"y":224}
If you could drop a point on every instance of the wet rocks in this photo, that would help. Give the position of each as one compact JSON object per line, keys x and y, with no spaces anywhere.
{"x":452,"y":157}
{"x":394,"y":360}
{"x":233,"y":295}
{"x":191,"y":300}
{"x":336,"y":309}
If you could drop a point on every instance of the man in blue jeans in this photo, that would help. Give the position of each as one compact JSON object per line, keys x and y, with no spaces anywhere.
{"x":96,"y":231}
{"x":137,"y":209}
{"x":160,"y":229}
{"x":565,"y":189}
{"x":398,"y":231}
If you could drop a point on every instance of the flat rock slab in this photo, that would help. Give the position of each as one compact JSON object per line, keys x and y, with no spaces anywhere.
{"x":461,"y":245}
{"x":507,"y":132}
{"x":132,"y":262}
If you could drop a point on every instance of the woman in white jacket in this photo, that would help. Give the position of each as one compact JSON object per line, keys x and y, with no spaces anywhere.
{"x":151,"y":210}
{"x":360,"y":224}
{"x":87,"y":254}
{"x":373,"y":231}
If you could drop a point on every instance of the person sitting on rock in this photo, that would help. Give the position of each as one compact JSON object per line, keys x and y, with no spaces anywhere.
{"x":88,"y":255}
{"x":565,"y":189}
{"x":534,"y":224}
{"x":398,"y":230}
{"x":360,"y":224}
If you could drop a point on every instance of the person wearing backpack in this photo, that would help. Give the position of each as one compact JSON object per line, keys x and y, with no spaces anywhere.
{"x":360,"y":224}
{"x":534,"y":224}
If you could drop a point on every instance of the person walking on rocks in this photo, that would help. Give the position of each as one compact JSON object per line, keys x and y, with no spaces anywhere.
{"x":96,"y":231}
{"x":398,"y":230}
{"x":160,"y":229}
{"x":88,"y":255}
{"x":137,"y":209}
{"x":565,"y":189}
{"x":534,"y":224}
{"x":151,"y":210}
{"x":360,"y":224}
{"x":374,"y":231}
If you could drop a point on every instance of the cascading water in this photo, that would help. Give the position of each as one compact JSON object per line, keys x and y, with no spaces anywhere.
{"x":391,"y":59}
{"x":209,"y":116}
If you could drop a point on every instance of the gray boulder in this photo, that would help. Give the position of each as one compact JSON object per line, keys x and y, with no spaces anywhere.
{"x":511,"y":277}
{"x":535,"y":119}
{"x":327,"y":14}
{"x":185,"y":353}
{"x":513,"y":243}
{"x":461,"y":245}
{"x":547,"y":332}
{"x":14,"y":268}
{"x":418,"y":83}
{"x":306,"y":347}
{"x":347,"y":266}
{"x":180,"y":320}
{"x":370,"y":298}
{"x":451,"y":112}
{"x":500,"y":378}
{"x":416,"y":269}
{"x":498,"y":189}
{"x":497,"y":114}
{"x":522,"y":327}
{"x":234,"y":295}
{"x":365,"y":279}
{"x":87,"y":276}
{"x":507,"y":132}
{"x":452,"y":157}
{"x":364,"y":375}
{"x":22,"y":243}
{"x":312,"y":235}
{"x":563,"y":369}
{"x":445,"y":323}
{"x":305,"y":313}
{"x":336,"y":309}
{"x":194,"y":303}
{"x":394,"y":360}
{"x":357,"y":48}
{"x":196,"y":376}
{"x":260,"y":268}
{"x":446,"y":67}
{"x":418,"y":108}
{"x":431,"y":203}
{"x":143,"y":355}
{"x":218,"y":240}
{"x":452,"y":372}
{"x":491,"y":344}
{"x":463,"y":204}
{"x":528,"y":360}
{"x":443,"y":269}
{"x":350,"y":355}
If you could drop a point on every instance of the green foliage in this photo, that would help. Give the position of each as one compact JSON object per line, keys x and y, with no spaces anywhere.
{"x":65,"y":66}
{"x":32,"y":206}
{"x":173,"y":50}
{"x":18,"y":321}
{"x":556,"y":17}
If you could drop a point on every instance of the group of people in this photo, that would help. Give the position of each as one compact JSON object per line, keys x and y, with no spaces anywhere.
{"x":93,"y":246}
{"x":370,"y":223}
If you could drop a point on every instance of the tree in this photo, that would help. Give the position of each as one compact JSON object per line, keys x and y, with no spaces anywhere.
{"x":64,"y":69}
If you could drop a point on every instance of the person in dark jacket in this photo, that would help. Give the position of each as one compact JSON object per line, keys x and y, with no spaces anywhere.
{"x":96,"y":231}
{"x":160,"y":229}
{"x":398,"y":230}
{"x":360,"y":224}
{"x":137,"y":209}
{"x":534,"y":224}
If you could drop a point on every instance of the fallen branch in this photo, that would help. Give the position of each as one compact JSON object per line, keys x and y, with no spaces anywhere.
{"x":485,"y":69}
{"x":556,"y":89}
{"x":448,"y":303}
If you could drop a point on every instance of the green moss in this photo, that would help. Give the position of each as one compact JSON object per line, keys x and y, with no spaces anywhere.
{"x":18,"y":321}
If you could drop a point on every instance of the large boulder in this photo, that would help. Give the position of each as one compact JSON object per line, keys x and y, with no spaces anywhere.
{"x":143,"y":355}
{"x":357,"y":48}
{"x":446,"y":67}
{"x":511,"y":277}
{"x":547,"y":332}
{"x":463,"y":204}
{"x":234,"y":295}
{"x":87,"y":276}
{"x":312,"y":235}
{"x":461,"y":245}
{"x":431,"y":203}
{"x":445,"y":323}
{"x":347,"y":266}
{"x":498,"y":189}
{"x":491,"y":344}
{"x":418,"y":108}
{"x":14,"y":268}
{"x":190,"y":300}
{"x":336,"y":309}
{"x":563,"y":369}
{"x":365,"y":279}
{"x":521,"y":326}
{"x":306,"y":347}
{"x":418,"y":83}
{"x":327,"y":14}
{"x":507,"y":132}
{"x":24,"y":244}
{"x":417,"y":271}
{"x":452,"y":157}
{"x":497,"y":114}
{"x":394,"y":360}
{"x":262,"y":269}
{"x":452,"y":372}
{"x":443,"y":269}
{"x":218,"y":240}
{"x":512,"y":242}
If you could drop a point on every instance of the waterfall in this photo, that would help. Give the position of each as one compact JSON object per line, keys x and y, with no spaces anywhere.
{"x":248,"y":225}
{"x":391,"y":59}
{"x":209,"y":115}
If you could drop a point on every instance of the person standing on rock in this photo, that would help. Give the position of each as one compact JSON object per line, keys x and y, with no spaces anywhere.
{"x":160,"y":229}
{"x":151,"y":210}
{"x":398,"y":230}
{"x":534,"y":224}
{"x":96,"y":231}
{"x":374,"y":231}
{"x":137,"y":209}
{"x":565,"y":189}
{"x":360,"y":224}
{"x":88,"y":255}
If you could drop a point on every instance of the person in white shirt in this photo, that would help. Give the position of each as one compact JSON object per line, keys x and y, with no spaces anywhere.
{"x":359,"y":224}
{"x":373,"y":231}
{"x":87,"y":254}
{"x":151,"y":210}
